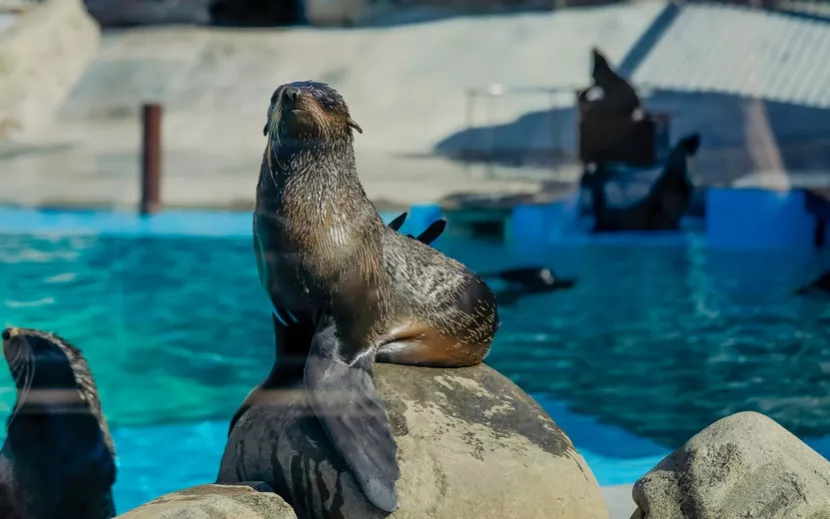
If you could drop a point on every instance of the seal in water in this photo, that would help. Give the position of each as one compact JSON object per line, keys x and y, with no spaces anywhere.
{"x":819,"y":285}
{"x":325,"y":258}
{"x":528,"y":281}
{"x":664,"y":205}
{"x":58,"y":460}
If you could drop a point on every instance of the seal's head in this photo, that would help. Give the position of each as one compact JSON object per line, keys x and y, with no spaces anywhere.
{"x":307,"y":110}
{"x":682,"y":157}
{"x":41,"y":360}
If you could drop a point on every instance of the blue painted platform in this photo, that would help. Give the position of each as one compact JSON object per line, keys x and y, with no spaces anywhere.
{"x":16,"y":220}
{"x":753,"y":218}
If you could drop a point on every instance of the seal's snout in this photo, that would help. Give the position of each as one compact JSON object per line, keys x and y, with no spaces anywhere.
{"x":292,"y":94}
{"x":7,"y":334}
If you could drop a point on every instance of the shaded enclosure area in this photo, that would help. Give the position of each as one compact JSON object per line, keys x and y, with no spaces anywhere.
{"x":536,"y":138}
{"x":732,"y":140}
{"x":256,"y":12}
{"x":250,"y":13}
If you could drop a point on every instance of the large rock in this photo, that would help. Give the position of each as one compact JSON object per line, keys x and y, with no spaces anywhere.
{"x":743,"y":466}
{"x":249,"y":501}
{"x":471,"y":444}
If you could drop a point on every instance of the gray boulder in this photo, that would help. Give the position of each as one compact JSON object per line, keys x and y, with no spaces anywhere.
{"x":743,"y":466}
{"x":244,"y":501}
{"x":471,"y":444}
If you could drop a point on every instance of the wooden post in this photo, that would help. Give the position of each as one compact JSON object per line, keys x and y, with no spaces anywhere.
{"x":151,"y":158}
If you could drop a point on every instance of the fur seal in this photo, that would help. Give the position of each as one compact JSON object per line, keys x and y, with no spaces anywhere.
{"x":58,"y":460}
{"x":528,"y":281}
{"x":664,"y":205}
{"x":287,"y":334}
{"x":618,"y":98}
{"x":326,"y":259}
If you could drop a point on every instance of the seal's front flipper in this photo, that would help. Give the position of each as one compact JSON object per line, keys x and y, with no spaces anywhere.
{"x":353,"y":415}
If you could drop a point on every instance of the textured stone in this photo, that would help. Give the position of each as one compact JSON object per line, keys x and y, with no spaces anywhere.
{"x":244,"y":501}
{"x":471,"y":444}
{"x":743,"y":466}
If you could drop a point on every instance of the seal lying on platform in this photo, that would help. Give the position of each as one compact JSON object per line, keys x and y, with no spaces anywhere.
{"x":664,"y":205}
{"x":58,"y":457}
{"x":325,"y":258}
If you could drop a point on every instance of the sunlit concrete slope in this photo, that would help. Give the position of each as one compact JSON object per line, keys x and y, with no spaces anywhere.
{"x":405,"y":83}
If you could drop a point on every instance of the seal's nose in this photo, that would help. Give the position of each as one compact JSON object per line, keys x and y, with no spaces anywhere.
{"x":292,"y":94}
{"x":7,"y":334}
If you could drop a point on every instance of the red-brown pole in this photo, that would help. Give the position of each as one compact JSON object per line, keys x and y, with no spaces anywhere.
{"x":151,"y":159}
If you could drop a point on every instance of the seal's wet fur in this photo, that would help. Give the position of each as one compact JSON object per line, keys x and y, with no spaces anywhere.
{"x":362,"y":291}
{"x":58,"y":460}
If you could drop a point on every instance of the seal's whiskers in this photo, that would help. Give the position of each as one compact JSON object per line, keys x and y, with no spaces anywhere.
{"x":28,"y":375}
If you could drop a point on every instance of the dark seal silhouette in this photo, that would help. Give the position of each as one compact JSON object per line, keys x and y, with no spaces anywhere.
{"x":368,"y":293}
{"x":58,"y":460}
{"x":664,"y":205}
{"x":612,"y":94}
{"x":820,"y":285}
{"x":527,"y":281}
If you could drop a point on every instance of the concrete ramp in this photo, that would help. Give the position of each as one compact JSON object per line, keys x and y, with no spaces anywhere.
{"x":405,"y":85}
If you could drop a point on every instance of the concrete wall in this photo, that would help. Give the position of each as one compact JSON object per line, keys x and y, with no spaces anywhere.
{"x":42,"y":56}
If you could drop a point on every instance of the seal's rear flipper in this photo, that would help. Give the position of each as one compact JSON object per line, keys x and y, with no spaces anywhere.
{"x":353,"y":415}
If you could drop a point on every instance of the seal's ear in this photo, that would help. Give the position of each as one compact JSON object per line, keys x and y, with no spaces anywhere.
{"x":351,"y":122}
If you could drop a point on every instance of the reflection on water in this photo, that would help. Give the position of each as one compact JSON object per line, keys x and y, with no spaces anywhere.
{"x":658,"y":340}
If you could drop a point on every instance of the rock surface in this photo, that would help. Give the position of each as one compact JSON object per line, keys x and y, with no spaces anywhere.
{"x":745,"y":465}
{"x":244,"y":501}
{"x":471,"y":444}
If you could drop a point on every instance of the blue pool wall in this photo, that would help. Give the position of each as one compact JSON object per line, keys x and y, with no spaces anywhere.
{"x":758,"y":218}
{"x":736,"y":218}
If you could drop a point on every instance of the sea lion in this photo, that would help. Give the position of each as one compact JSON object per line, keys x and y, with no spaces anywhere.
{"x":617,"y":95}
{"x":664,"y":205}
{"x":610,"y":113}
{"x":528,"y":281}
{"x":287,"y":334}
{"x":58,"y":460}
{"x":325,"y":258}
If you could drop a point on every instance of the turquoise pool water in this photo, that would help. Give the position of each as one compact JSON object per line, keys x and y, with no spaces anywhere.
{"x":659,"y":338}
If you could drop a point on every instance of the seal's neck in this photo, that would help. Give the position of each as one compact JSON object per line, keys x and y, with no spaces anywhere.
{"x":324,"y":162}
{"x":311,"y":179}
